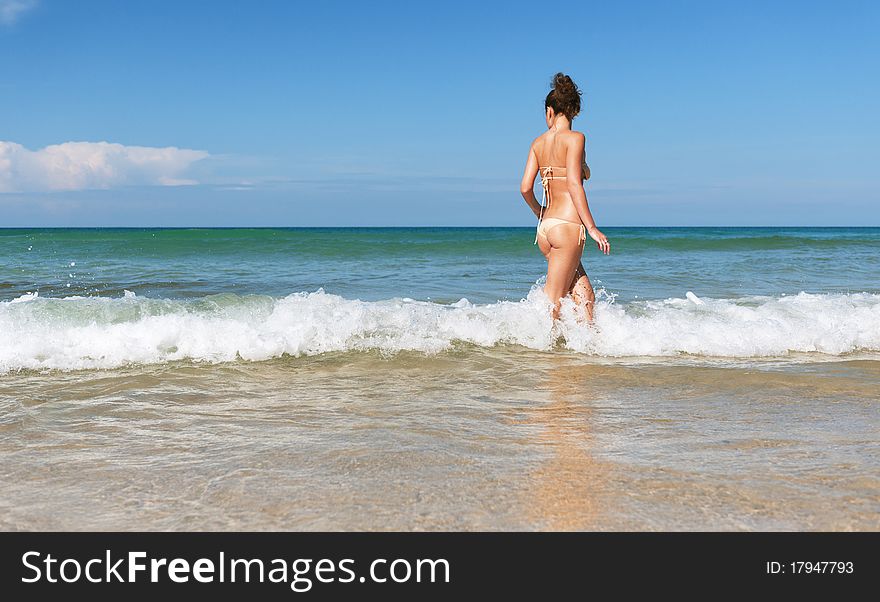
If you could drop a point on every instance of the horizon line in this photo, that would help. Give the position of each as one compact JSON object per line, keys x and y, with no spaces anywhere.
{"x":265,"y":227}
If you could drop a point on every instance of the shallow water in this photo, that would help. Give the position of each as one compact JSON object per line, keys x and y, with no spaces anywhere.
{"x":483,"y":439}
{"x":224,"y":392}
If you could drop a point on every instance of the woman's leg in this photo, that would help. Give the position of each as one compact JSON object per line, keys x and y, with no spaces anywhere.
{"x":582,"y":292}
{"x":563,"y":258}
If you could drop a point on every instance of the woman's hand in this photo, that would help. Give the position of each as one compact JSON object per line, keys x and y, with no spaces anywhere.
{"x":601,"y":239}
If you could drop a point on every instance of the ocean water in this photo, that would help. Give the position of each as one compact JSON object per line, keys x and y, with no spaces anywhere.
{"x":408,"y":378}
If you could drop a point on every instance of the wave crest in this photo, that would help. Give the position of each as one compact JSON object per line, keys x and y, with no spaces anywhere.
{"x":38,"y":333}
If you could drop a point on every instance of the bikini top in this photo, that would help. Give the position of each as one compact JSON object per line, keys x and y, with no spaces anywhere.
{"x":551,"y":173}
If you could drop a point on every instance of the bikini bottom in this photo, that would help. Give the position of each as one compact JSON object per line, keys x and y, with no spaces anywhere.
{"x":545,"y":225}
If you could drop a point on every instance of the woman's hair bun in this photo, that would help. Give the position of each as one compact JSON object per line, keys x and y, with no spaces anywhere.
{"x":563,"y":84}
{"x":565,"y":97}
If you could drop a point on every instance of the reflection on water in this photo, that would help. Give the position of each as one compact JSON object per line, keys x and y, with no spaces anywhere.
{"x":489,"y":438}
{"x":565,"y":490}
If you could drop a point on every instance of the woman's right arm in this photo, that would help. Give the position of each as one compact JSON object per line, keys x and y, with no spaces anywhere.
{"x":527,"y":187}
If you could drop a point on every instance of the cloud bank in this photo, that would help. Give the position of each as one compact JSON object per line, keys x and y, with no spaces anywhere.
{"x":90,"y":165}
{"x":11,"y":10}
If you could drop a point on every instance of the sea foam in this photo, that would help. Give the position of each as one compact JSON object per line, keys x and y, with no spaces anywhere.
{"x":39,"y":333}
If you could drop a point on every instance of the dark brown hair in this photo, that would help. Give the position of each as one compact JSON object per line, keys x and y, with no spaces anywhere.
{"x":565,"y":97}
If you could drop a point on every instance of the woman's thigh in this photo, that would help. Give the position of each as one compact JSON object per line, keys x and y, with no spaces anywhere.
{"x":563,"y":259}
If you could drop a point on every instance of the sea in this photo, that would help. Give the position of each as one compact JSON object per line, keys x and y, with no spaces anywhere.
{"x":412,"y":379}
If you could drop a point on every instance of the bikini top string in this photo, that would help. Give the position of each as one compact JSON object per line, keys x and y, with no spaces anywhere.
{"x":546,"y":176}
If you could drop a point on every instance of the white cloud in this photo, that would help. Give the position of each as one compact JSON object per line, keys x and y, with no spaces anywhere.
{"x":88,"y":165}
{"x":11,"y":10}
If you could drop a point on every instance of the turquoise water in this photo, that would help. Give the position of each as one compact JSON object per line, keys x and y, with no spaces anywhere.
{"x":441,"y":264}
{"x":104,"y":298}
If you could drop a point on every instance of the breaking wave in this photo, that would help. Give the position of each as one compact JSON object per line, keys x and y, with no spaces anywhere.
{"x":73,"y":333}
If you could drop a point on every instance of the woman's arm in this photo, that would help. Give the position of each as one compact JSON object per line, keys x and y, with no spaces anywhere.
{"x":574,"y":170}
{"x":527,"y":187}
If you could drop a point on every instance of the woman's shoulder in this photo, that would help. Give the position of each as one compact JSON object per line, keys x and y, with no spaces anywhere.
{"x":569,"y":138}
{"x":575,"y":136}
{"x":569,"y":134}
{"x":537,"y":142}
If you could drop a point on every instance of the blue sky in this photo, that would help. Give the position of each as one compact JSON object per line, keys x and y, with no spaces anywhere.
{"x":420,"y":113}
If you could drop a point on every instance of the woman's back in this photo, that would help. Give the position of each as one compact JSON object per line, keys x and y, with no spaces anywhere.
{"x":551,"y":150}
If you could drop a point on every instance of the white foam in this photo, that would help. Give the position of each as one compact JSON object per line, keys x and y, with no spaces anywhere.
{"x":101,"y":332}
{"x":693,"y":298}
{"x":25,"y":297}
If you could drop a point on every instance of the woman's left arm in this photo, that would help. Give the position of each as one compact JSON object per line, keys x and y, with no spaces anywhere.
{"x":574,"y":161}
{"x":527,"y":187}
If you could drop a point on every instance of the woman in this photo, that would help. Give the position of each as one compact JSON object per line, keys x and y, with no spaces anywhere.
{"x":564,"y":219}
